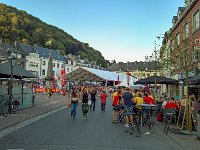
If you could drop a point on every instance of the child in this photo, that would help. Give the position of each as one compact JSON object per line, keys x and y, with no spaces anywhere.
{"x":103,"y":97}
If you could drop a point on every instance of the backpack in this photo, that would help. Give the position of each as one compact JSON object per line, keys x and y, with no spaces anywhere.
{"x":160,"y":117}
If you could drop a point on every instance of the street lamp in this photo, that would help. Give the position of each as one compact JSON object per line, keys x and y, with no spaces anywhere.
{"x":12,"y":63}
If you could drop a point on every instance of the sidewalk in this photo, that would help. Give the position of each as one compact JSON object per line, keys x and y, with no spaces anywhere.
{"x":186,"y":141}
{"x":42,"y":105}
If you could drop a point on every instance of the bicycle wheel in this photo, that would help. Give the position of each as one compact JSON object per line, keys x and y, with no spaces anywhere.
{"x":14,"y":108}
{"x":5,"y":110}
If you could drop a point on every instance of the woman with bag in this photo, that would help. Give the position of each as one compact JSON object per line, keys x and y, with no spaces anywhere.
{"x":85,"y":102}
{"x":74,"y":103}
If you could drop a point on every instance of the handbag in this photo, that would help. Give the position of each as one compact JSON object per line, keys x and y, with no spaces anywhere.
{"x":89,"y":102}
{"x":69,"y":104}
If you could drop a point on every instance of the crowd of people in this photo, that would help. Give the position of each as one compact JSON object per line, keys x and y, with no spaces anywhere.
{"x":124,"y":100}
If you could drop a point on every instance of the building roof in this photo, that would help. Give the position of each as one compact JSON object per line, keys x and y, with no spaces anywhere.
{"x":26,"y":48}
{"x":132,"y":66}
{"x":18,"y":72}
{"x":44,"y":52}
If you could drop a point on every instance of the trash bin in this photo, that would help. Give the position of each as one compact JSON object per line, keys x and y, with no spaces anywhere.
{"x":198,"y":124}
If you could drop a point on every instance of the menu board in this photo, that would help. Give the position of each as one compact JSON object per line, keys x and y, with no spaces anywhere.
{"x":181,"y":117}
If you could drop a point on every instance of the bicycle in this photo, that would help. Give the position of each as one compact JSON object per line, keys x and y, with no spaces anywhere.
{"x":132,"y":126}
{"x":147,"y":119}
{"x":7,"y":108}
{"x":4,"y":106}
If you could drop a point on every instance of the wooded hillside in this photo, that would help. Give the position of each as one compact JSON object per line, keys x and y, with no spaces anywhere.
{"x":18,"y":25}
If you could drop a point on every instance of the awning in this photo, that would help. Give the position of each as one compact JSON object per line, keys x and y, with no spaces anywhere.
{"x":157,"y":80}
{"x":18,"y":71}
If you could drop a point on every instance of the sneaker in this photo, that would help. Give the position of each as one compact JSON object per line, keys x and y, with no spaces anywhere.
{"x":84,"y":118}
{"x":113,"y":121}
{"x":126,"y":125}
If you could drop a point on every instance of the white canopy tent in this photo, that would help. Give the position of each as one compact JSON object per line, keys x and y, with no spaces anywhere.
{"x":91,"y":74}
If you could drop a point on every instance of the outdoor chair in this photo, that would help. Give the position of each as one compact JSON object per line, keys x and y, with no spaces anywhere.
{"x":169,"y":115}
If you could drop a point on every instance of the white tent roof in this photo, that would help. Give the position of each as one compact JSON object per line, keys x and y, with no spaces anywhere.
{"x":91,"y":74}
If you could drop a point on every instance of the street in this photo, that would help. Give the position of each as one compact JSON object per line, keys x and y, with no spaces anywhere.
{"x":58,"y":131}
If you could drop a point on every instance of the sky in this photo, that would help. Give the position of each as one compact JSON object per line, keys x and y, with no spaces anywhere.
{"x":124,"y":30}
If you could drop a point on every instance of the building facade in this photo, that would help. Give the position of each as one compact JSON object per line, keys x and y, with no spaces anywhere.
{"x":180,"y":48}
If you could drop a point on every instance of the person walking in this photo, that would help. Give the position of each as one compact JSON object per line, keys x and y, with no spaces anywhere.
{"x":74,"y":103}
{"x":103,"y":97}
{"x":85,"y":108}
{"x":93,"y":98}
{"x":49,"y":92}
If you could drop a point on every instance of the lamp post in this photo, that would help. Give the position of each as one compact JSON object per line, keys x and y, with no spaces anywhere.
{"x":12,"y":62}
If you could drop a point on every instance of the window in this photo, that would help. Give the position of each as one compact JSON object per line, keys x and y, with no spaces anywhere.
{"x":44,"y":63}
{"x":196,"y":21}
{"x":194,"y":55}
{"x":186,"y":30}
{"x":178,"y":38}
{"x":58,"y":65}
{"x":54,"y":64}
{"x":71,"y":62}
{"x":43,"y":71}
{"x":172,"y":44}
{"x":185,"y":58}
{"x":67,"y":69}
{"x":62,"y":65}
{"x":178,"y":61}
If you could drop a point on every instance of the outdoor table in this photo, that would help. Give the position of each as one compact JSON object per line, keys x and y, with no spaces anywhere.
{"x":147,"y":107}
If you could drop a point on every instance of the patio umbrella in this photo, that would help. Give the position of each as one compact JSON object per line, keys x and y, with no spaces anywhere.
{"x":157,"y":79}
{"x":195,"y":80}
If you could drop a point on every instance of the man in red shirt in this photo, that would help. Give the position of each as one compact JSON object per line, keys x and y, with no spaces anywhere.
{"x":148,"y":99}
{"x":172,"y":104}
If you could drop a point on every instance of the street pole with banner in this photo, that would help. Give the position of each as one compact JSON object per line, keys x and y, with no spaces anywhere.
{"x":128,"y":74}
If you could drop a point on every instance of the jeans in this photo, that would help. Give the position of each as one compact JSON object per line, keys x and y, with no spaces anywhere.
{"x":73,"y":110}
{"x":92,"y":105}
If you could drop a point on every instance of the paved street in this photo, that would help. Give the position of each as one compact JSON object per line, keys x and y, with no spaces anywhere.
{"x":58,"y":131}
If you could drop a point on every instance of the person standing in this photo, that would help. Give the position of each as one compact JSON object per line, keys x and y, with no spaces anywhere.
{"x":49,"y":92}
{"x":103,"y":97}
{"x":74,"y":103}
{"x":85,"y":102}
{"x":93,"y":98}
{"x":148,"y":99}
{"x":128,"y":106}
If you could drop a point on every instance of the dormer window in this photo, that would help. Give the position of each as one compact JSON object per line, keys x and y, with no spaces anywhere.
{"x":174,"y":20}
